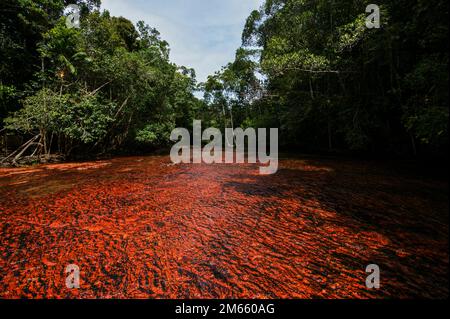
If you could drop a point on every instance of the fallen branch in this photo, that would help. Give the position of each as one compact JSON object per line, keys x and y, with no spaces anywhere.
{"x":315,"y":71}
{"x":121,"y":107}
{"x":25,"y":146}
{"x":99,"y":88}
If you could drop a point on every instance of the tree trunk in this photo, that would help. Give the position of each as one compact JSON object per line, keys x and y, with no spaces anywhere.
{"x":413,"y":144}
{"x":330,"y":145}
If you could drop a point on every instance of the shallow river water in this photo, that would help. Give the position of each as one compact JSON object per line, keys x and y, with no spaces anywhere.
{"x":139,"y":227}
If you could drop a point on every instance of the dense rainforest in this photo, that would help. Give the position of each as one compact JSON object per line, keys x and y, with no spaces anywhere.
{"x":308,"y":67}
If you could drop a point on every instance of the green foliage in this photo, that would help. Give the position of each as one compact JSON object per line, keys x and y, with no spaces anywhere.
{"x":40,"y":112}
{"x":155,"y":134}
{"x":86,"y":119}
{"x":309,"y":67}
{"x":426,"y":110}
{"x":83,"y":119}
{"x":105,"y":86}
{"x":330,"y":82}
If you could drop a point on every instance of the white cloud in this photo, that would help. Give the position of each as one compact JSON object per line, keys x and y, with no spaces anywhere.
{"x":203,"y":34}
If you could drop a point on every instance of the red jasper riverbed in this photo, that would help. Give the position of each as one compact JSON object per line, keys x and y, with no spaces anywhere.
{"x":139,"y":227}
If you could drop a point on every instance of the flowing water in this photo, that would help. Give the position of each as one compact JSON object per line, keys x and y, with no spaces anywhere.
{"x":139,"y":227}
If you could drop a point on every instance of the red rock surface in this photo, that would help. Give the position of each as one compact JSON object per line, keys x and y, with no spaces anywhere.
{"x":142,"y":228}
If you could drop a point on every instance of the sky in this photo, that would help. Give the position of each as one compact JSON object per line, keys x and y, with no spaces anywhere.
{"x":202,"y":34}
